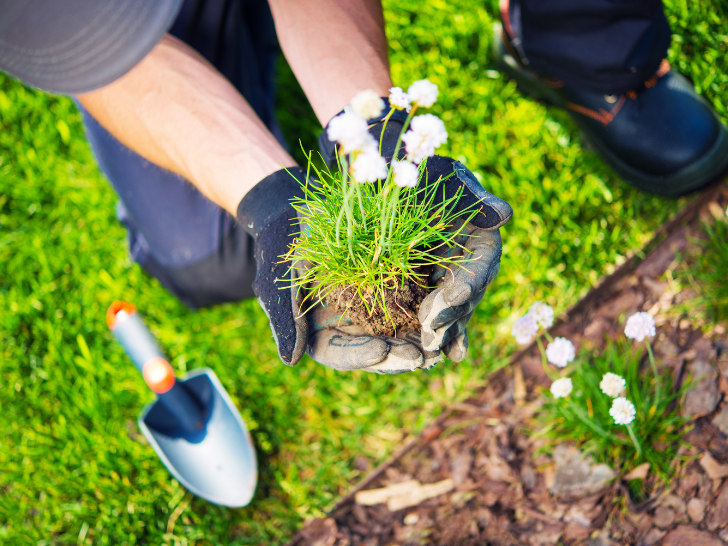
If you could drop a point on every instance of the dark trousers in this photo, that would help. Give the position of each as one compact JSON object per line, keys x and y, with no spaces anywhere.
{"x":608,"y":46}
{"x":195,"y":248}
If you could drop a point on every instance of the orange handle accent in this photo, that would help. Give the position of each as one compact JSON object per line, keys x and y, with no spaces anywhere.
{"x":158,"y":375}
{"x":118,"y":312}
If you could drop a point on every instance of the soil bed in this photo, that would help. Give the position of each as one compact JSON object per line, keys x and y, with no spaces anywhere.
{"x":472,"y":476}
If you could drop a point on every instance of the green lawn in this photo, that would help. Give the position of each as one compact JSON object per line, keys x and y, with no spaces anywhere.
{"x":73,"y":469}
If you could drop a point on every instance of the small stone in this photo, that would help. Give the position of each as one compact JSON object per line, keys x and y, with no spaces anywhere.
{"x":721,"y":420}
{"x":696,"y":510}
{"x":687,"y":535}
{"x":664,"y":517}
{"x":705,"y":396}
{"x":576,"y":475}
{"x":713,"y":469}
{"x":719,"y":517}
{"x":652,"y":538}
{"x":411,"y":519}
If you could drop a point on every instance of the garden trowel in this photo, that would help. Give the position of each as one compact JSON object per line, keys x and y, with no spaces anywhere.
{"x":193,"y":425}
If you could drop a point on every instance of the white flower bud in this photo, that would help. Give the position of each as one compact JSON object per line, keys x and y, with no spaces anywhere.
{"x":368,"y":166}
{"x":561,"y":388}
{"x":525,"y":329}
{"x":639,"y":326}
{"x":426,"y":133}
{"x":622,"y":411}
{"x":367,"y":104}
{"x":560,"y":352}
{"x":543,"y":313}
{"x":422,"y":93}
{"x":398,"y":99}
{"x":406,"y":174}
{"x":350,"y":131}
{"x":612,"y":384}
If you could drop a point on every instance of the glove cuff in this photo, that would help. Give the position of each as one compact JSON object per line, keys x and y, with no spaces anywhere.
{"x":328,"y":148}
{"x":270,"y":198}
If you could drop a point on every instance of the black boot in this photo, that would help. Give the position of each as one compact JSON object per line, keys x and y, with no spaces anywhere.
{"x":663,"y":137}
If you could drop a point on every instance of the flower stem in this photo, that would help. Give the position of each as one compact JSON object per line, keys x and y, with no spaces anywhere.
{"x":392,"y":214}
{"x":361,"y":206}
{"x":651,"y":356}
{"x":588,"y":422}
{"x":548,"y":336}
{"x":634,"y":439}
{"x":381,"y":135}
{"x":543,"y":359}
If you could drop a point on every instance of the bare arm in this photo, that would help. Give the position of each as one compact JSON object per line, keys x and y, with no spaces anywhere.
{"x":177,"y":111}
{"x":336,"y":48}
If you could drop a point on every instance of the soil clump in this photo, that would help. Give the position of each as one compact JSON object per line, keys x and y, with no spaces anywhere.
{"x":402,"y":304}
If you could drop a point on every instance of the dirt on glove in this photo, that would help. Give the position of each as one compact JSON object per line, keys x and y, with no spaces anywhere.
{"x":402,"y":305}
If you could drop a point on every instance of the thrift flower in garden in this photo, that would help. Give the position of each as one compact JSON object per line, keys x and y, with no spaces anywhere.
{"x":639,"y":326}
{"x":405,"y":174}
{"x":426,"y":133}
{"x":622,"y":411}
{"x":561,"y":388}
{"x":398,"y":99}
{"x":525,"y":329}
{"x":367,"y":104}
{"x":369,"y":166}
{"x":422,"y":93}
{"x":543,"y":313}
{"x":560,"y":352}
{"x":351,"y":132}
{"x":612,"y":384}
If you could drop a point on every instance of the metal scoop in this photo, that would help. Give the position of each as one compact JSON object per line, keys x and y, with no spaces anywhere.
{"x":193,"y":425}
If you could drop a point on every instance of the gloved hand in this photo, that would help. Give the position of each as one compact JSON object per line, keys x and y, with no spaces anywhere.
{"x":445,"y":312}
{"x":266,"y":213}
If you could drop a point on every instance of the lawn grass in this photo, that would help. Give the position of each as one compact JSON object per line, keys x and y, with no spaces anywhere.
{"x":73,"y":469}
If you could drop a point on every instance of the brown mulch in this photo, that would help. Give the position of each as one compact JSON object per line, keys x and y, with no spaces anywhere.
{"x":472,"y":477}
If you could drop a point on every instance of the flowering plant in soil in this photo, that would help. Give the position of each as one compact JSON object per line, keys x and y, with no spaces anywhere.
{"x":607,"y":403}
{"x":371,"y":232}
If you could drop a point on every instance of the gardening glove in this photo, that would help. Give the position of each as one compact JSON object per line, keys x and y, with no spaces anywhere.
{"x":267,"y":215}
{"x":445,"y":312}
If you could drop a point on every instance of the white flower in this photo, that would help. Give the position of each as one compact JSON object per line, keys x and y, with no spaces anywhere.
{"x":543,"y":313}
{"x":560,"y":352}
{"x":406,"y":174}
{"x":622,"y":411}
{"x":398,"y":99}
{"x":350,"y":131}
{"x":612,"y":384}
{"x":423,"y":93}
{"x":525,"y":329}
{"x":368,"y":166}
{"x":367,"y":104}
{"x":561,"y":388}
{"x":426,"y":133}
{"x":639,"y":326}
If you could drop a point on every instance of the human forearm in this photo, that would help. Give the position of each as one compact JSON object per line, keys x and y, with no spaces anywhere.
{"x":336,"y":48}
{"x":177,"y":111}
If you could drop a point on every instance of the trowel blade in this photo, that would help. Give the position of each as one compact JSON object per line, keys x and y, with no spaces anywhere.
{"x":218,"y":463}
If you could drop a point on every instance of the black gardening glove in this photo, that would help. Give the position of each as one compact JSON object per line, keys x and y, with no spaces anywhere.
{"x":266,"y":213}
{"x":445,"y":312}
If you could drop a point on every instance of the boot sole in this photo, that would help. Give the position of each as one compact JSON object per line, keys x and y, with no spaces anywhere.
{"x":690,"y":178}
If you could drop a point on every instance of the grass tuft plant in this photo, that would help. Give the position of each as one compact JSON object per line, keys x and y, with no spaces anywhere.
{"x":369,"y":230}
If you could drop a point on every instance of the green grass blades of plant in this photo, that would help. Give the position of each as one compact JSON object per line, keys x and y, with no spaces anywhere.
{"x":342,"y":244}
{"x":705,"y":272}
{"x":583,"y":417}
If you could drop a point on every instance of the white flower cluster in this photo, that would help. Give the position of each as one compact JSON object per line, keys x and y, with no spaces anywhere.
{"x":351,"y":131}
{"x":560,"y":352}
{"x":623,"y":411}
{"x":561,"y":388}
{"x":639,"y":326}
{"x":612,"y":384}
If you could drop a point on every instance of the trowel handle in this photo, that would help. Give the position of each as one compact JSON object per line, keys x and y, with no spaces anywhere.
{"x":139,"y":343}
